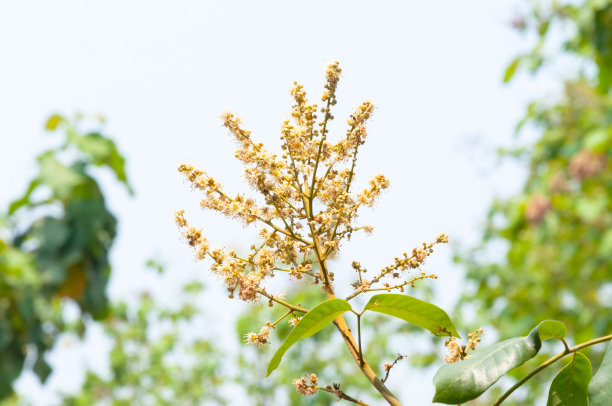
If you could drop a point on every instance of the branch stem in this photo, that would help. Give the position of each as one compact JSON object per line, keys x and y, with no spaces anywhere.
{"x":282,"y":302}
{"x":342,"y":395}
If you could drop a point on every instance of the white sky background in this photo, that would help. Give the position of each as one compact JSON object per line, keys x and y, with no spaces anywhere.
{"x":162,"y":72}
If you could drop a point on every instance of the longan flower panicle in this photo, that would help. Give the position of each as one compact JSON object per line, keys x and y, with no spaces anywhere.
{"x":401,"y":264}
{"x":193,"y":236}
{"x":369,"y":195}
{"x":237,"y":273}
{"x":215,"y":199}
{"x":332,"y":76}
{"x":308,"y":206}
{"x":265,"y":172}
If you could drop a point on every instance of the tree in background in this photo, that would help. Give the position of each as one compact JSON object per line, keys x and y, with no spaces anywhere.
{"x":54,"y":245}
{"x":154,"y":358}
{"x":557,"y":232}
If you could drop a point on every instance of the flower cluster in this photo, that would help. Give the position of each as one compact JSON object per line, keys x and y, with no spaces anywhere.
{"x":309,"y":208}
{"x":259,"y":339}
{"x":306,"y":385}
{"x":537,"y":208}
{"x":458,"y":352}
{"x":586,"y":164}
{"x":306,"y":207}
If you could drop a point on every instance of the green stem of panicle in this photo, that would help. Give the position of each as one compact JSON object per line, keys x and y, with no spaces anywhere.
{"x":287,"y":313}
{"x":316,"y":166}
{"x":282,"y":302}
{"x":549,"y":362}
{"x":348,"y":186}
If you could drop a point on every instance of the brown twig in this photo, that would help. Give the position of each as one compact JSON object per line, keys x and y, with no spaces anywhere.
{"x":389,"y":366}
{"x":335,"y":389}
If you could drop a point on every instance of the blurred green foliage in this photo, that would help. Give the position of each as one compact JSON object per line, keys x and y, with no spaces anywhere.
{"x":557,"y":232}
{"x":54,"y":245}
{"x":152,"y":359}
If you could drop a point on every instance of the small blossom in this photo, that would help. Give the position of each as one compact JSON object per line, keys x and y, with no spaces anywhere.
{"x":258,"y":339}
{"x":474,"y":338}
{"x":442,"y":239}
{"x":179,"y":218}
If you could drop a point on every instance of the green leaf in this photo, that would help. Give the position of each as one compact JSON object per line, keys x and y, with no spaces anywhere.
{"x":605,"y":245}
{"x":551,"y":329}
{"x":600,"y":388}
{"x":61,"y":179}
{"x":42,"y":369}
{"x":569,"y":386}
{"x":25,"y":199}
{"x":511,"y":69}
{"x":597,"y":140}
{"x":102,"y":151}
{"x":413,"y":311}
{"x":466,"y":380}
{"x":311,"y":323}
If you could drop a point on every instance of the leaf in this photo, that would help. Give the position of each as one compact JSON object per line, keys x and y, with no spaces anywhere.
{"x":551,"y":329}
{"x":311,"y":323}
{"x":605,"y":245}
{"x":511,"y":69}
{"x":42,"y":369}
{"x":466,"y":380}
{"x":600,"y":388}
{"x":54,"y":121}
{"x":569,"y":386}
{"x":25,"y":199}
{"x":413,"y":311}
{"x":597,"y":140}
{"x":102,"y":151}
{"x":61,"y":179}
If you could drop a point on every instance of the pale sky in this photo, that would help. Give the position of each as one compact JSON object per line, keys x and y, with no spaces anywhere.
{"x":162,"y":72}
